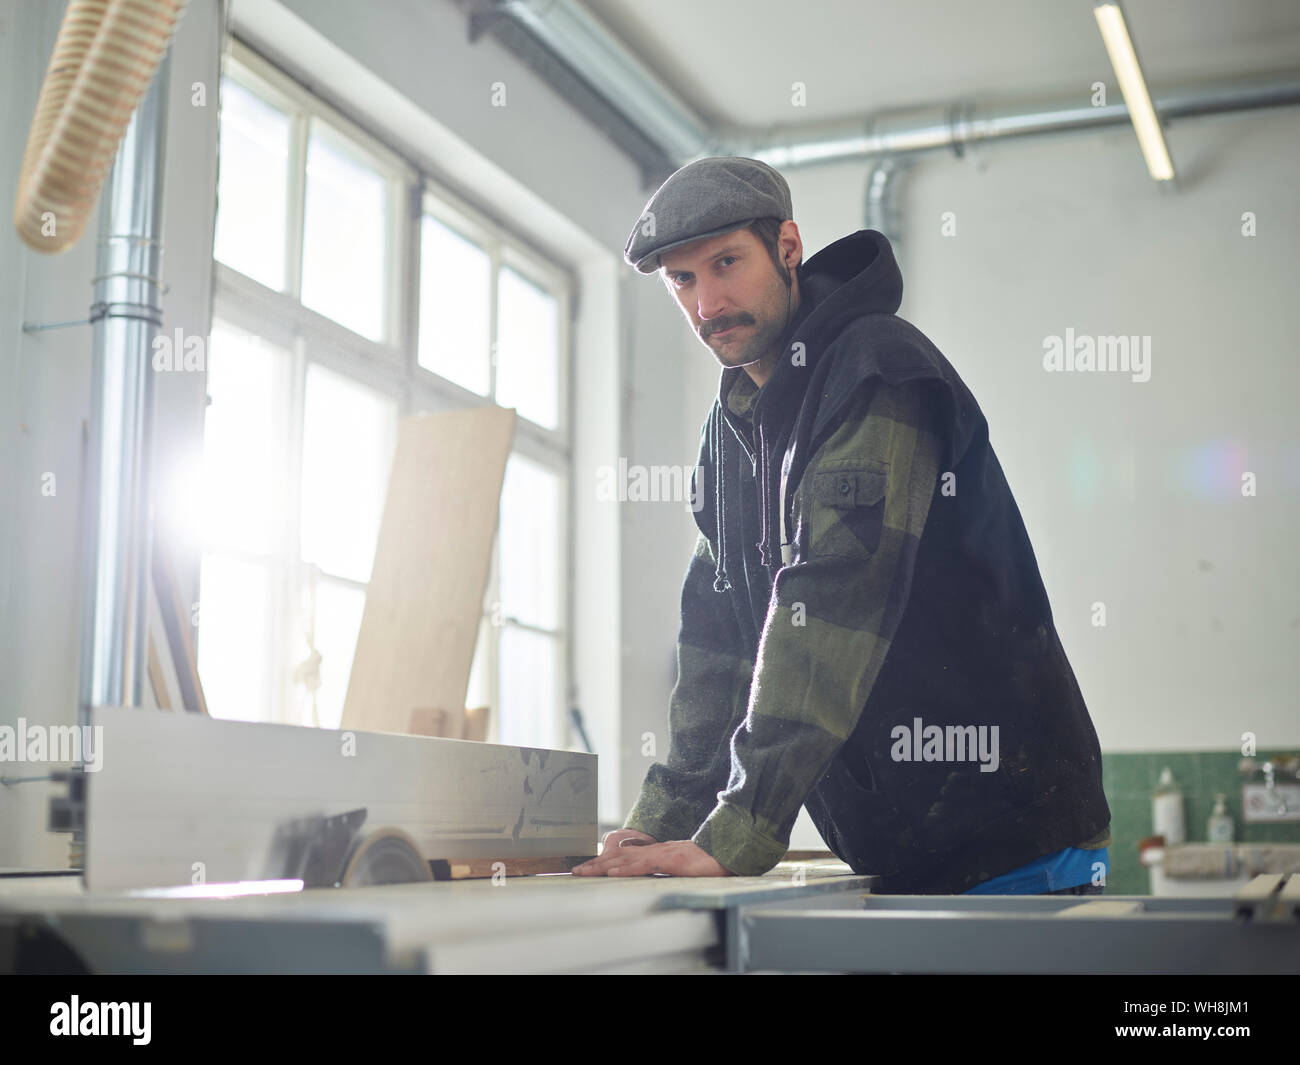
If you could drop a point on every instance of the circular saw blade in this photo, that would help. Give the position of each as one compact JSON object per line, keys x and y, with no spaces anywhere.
{"x":385,"y":856}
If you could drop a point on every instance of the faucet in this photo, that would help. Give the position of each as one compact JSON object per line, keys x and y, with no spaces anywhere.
{"x":1279,"y":765}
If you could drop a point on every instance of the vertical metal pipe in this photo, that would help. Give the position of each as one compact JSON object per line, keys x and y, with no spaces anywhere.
{"x":126,"y":316}
{"x":883,"y":212}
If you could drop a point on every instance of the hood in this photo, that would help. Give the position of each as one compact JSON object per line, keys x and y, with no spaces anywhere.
{"x":850,"y":333}
{"x":855,"y":276}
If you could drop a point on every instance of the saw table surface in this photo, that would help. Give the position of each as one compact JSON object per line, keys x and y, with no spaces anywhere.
{"x":544,"y":923}
{"x":814,"y":918}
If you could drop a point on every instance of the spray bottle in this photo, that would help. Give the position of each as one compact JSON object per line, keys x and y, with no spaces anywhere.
{"x":1167,"y":810}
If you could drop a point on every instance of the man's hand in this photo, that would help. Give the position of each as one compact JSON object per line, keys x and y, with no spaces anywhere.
{"x":639,"y":855}
{"x":609,"y":849}
{"x":623,"y":837}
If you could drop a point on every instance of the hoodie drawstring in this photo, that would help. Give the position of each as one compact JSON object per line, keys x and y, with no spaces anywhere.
{"x":764,"y":518}
{"x":720,"y":581}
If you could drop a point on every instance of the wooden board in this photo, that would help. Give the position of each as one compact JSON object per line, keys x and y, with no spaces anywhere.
{"x":469,"y":724}
{"x":485,"y":868}
{"x":179,"y":789}
{"x":177,"y":640}
{"x":421,"y":617}
{"x":158,"y":679}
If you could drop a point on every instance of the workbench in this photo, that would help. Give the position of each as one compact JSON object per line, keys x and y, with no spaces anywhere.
{"x":801,"y":917}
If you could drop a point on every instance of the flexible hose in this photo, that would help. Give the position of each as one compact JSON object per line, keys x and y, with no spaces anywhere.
{"x":106,"y":54}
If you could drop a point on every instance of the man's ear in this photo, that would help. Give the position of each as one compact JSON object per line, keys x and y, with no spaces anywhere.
{"x":790,"y":243}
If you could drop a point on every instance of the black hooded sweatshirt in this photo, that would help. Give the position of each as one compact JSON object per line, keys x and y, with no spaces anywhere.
{"x":976,"y":642}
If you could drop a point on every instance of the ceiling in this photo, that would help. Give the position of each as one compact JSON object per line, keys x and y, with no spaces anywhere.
{"x":734,"y":60}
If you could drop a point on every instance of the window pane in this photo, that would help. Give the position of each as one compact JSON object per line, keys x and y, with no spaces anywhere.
{"x":530,"y":537}
{"x":344,"y":236}
{"x":348,"y":436}
{"x":336,"y":623}
{"x":252,"y":187}
{"x":528,"y":367}
{"x":455,"y":282}
{"x":477,"y":692}
{"x":235,"y":638}
{"x":529,"y":668}
{"x":242,"y":449}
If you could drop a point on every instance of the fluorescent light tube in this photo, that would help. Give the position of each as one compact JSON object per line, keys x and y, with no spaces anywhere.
{"x":1123,"y":57}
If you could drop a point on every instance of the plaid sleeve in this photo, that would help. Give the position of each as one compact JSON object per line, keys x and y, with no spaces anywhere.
{"x":861,"y":506}
{"x":707,"y":705}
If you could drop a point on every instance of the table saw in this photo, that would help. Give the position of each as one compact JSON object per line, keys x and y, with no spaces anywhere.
{"x":797,"y":918}
{"x":228,"y":847}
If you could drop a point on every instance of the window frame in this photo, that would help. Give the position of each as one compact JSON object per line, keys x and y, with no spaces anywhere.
{"x":503,"y":250}
{"x":391,"y":367}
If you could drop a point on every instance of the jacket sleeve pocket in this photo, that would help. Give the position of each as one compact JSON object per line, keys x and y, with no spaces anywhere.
{"x":846,"y":508}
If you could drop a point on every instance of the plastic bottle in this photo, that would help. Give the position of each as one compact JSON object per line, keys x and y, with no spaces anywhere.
{"x":1167,"y":810}
{"x":1219,"y":828}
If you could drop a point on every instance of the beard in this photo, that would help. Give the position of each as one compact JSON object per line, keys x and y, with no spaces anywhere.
{"x":758,"y":331}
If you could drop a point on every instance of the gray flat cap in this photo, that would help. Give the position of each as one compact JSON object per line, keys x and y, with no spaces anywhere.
{"x":704,"y":199}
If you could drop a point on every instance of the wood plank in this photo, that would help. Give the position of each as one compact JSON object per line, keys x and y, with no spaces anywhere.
{"x":420,"y":622}
{"x":484,"y":868}
{"x":175,"y":616}
{"x":176,"y":789}
{"x":157,"y":679}
{"x":1263,"y":887}
{"x":1103,"y":908}
{"x":476,"y":723}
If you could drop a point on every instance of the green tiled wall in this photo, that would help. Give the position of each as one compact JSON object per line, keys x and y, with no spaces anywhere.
{"x":1130,"y":780}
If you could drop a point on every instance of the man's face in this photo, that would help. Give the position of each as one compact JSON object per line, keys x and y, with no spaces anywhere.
{"x":730,"y":292}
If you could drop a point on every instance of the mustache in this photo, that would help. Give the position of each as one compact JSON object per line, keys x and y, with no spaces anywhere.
{"x":717,"y":325}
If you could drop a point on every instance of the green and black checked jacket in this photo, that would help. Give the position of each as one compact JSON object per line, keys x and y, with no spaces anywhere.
{"x":771,"y":725}
{"x":899,"y":598}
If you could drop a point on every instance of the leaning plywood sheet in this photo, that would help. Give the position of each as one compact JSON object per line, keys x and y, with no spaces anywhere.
{"x":184,"y":797}
{"x":425,"y":598}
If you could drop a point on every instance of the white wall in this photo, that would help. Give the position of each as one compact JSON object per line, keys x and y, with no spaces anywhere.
{"x":1130,"y":491}
{"x":661,"y":428}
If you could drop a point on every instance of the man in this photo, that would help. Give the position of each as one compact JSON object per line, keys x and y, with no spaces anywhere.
{"x":864,"y":629}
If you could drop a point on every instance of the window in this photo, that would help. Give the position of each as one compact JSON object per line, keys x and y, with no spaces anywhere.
{"x":492,"y":319}
{"x":348,"y":437}
{"x":245,"y":475}
{"x":490,"y":316}
{"x":352,"y":290}
{"x":253,"y":186}
{"x":349,"y":432}
{"x":527,"y":355}
{"x":344,"y":233}
{"x":531,"y":605}
{"x":455,"y":307}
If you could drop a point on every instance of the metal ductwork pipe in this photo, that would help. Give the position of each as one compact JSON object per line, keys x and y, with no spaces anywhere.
{"x":126,"y":316}
{"x":601,"y":59}
{"x":883,"y":213}
{"x":954,"y":128}
{"x":104,"y":102}
{"x":580,"y":41}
